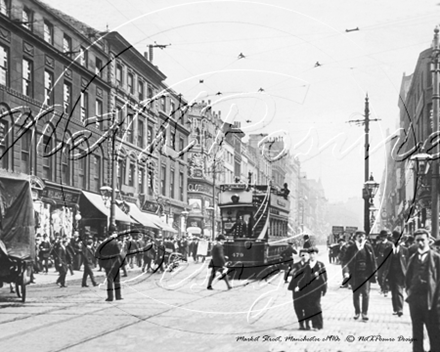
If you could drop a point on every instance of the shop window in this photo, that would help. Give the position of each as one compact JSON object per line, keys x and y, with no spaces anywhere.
{"x":27,"y":75}
{"x":4,"y":65}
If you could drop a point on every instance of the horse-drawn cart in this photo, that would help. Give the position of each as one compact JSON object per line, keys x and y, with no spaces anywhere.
{"x":17,"y":233}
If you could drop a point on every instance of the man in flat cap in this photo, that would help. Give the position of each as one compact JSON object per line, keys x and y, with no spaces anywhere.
{"x":395,"y":265}
{"x":423,"y":288}
{"x":361,"y":272}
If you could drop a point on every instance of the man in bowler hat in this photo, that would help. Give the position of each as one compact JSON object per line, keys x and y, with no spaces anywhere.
{"x":110,"y":256}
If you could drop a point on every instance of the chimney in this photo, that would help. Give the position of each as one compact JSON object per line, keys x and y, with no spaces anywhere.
{"x":150,"y":49}
{"x":146,"y":55}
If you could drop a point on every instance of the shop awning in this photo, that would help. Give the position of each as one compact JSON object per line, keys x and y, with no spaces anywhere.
{"x":98,"y":203}
{"x":160,"y":224}
{"x":141,"y":217}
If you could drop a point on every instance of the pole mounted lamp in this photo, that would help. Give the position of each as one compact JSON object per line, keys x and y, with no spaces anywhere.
{"x":370,"y":189}
{"x":108,"y":198}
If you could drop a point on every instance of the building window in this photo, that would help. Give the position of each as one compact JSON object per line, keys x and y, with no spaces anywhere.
{"x":121,"y":173}
{"x":162,"y":179}
{"x":181,"y":186}
{"x":98,"y":113}
{"x":141,"y":178}
{"x":84,"y":57}
{"x":65,"y":169}
{"x":26,"y":21}
{"x":173,"y":109}
{"x":98,"y":67}
{"x":26,"y":140}
{"x":130,"y":128}
{"x":150,"y":93}
{"x":130,"y":83}
{"x":119,"y":75}
{"x":4,"y":152}
{"x":131,"y":173}
{"x":4,"y":66}
{"x":172,"y":184}
{"x":4,"y":9}
{"x":84,"y":106}
{"x":181,"y":143}
{"x":150,"y":134}
{"x":82,"y":167}
{"x":141,"y":90}
{"x":150,"y":182}
{"x":163,"y":104}
{"x":48,"y":32}
{"x":27,"y":78}
{"x":67,"y":97}
{"x":140,"y":129}
{"x":47,"y":159}
{"x":97,"y":172}
{"x":48,"y":87}
{"x":67,"y":44}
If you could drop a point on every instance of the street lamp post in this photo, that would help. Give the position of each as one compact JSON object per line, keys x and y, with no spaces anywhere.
{"x":370,"y":189}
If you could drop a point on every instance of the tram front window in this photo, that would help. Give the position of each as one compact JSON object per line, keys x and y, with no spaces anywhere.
{"x":242,"y":228}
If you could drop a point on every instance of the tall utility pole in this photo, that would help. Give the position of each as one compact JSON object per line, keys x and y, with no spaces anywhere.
{"x":435,"y":118}
{"x":366,"y":122}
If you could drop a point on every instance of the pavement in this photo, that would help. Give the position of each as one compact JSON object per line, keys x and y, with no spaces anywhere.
{"x":175,"y":312}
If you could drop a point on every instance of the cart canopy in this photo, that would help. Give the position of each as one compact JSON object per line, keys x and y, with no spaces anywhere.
{"x":17,"y":224}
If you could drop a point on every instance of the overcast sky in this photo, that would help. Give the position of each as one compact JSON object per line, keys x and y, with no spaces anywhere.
{"x":282,"y":42}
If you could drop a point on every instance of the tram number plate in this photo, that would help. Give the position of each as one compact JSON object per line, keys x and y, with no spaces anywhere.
{"x":237,"y":255}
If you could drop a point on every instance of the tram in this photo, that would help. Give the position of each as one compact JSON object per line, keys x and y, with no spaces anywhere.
{"x":254,"y":221}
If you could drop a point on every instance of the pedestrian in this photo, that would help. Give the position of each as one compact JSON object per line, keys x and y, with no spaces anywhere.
{"x":149,"y":253}
{"x":423,"y":288}
{"x":76,"y":245}
{"x":307,"y":243}
{"x":342,"y":260}
{"x":315,"y":287}
{"x":44,"y":253}
{"x":361,"y":263}
{"x":62,"y":260}
{"x":88,"y":255}
{"x":160,"y":255}
{"x":383,"y":249}
{"x":299,"y":299}
{"x":218,"y":262}
{"x":394,"y":272}
{"x":287,"y":259}
{"x":70,"y":247}
{"x":110,"y":255}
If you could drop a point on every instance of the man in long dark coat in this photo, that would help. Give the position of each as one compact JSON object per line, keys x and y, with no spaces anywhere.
{"x":88,"y":258}
{"x":297,"y":287}
{"x":382,"y":251}
{"x":361,"y":263}
{"x":423,"y":287}
{"x":287,"y":259}
{"x":110,"y":256}
{"x":396,"y":262}
{"x":218,"y":262}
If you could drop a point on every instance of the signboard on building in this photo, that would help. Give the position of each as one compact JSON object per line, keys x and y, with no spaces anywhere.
{"x":337,"y":230}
